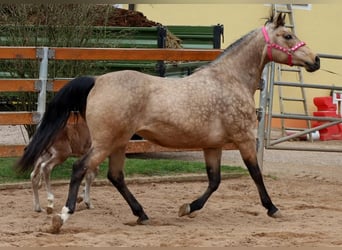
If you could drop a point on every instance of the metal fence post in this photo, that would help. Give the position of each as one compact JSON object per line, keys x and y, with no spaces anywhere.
{"x":43,"y":54}
{"x":261,"y":116}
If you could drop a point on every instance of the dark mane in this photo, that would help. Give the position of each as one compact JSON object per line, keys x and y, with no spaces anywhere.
{"x":277,"y":18}
{"x":228,"y":49}
{"x":237,"y":42}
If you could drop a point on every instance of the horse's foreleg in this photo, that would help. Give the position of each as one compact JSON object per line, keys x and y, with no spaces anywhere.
{"x":116,"y":177}
{"x":248,"y":153}
{"x":213,"y":164}
{"x":88,"y":162}
{"x":78,"y":172}
{"x":254,"y":170}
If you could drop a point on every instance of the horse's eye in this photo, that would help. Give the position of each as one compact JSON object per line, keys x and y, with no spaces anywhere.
{"x":288,"y":37}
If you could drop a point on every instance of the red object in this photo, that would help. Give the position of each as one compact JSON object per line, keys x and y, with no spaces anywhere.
{"x":324,"y":103}
{"x":326,"y":108}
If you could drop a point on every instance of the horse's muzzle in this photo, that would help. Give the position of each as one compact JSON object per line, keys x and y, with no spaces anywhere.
{"x":311,"y":67}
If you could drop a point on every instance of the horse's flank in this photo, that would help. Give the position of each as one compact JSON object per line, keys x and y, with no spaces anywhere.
{"x":74,"y":139}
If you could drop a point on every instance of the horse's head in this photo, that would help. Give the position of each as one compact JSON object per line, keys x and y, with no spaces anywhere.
{"x":284,"y":47}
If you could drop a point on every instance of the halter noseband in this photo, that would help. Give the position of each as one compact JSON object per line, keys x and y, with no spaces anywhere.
{"x":271,"y":46}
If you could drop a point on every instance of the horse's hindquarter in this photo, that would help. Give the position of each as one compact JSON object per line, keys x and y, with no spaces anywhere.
{"x":115,"y":103}
{"x":183,"y":113}
{"x":78,"y":137}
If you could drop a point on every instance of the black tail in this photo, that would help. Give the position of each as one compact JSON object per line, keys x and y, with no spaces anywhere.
{"x":72,"y":97}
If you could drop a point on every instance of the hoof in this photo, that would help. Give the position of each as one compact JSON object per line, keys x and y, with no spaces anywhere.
{"x":89,"y":205}
{"x":49,"y":210}
{"x":57,"y":223}
{"x":143,"y":222}
{"x":192,"y":215}
{"x":38,"y":210}
{"x":275,"y":214}
{"x":184,"y":210}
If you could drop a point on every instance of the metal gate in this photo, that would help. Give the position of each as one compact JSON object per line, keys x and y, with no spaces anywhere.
{"x":270,"y":138}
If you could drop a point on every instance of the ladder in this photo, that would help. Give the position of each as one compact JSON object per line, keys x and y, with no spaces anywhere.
{"x":298,"y":94}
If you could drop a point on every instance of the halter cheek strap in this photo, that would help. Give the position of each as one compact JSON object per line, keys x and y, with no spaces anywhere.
{"x":271,"y":46}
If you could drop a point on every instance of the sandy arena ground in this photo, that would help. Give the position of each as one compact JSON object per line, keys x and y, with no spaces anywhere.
{"x":306,"y":187}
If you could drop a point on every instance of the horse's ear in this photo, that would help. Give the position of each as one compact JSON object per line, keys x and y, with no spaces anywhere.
{"x":280,"y":20}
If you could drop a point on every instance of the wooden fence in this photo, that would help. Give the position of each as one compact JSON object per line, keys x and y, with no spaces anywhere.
{"x":54,"y":53}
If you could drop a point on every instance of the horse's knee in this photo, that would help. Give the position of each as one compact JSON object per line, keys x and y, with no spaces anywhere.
{"x":78,"y":170}
{"x":214,"y":176}
{"x":117,"y":180}
{"x":214,"y":184}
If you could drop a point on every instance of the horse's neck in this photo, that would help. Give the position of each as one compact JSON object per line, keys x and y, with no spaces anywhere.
{"x":244,"y":62}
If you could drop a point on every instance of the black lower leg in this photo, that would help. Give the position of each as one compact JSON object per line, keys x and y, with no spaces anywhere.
{"x":119,"y":182}
{"x":256,"y":175}
{"x":78,"y":173}
{"x":214,"y":178}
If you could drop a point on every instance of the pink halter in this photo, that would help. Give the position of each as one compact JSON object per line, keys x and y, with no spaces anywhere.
{"x":271,"y":46}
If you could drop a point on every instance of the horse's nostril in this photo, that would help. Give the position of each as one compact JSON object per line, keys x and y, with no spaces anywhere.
{"x":317,"y":60}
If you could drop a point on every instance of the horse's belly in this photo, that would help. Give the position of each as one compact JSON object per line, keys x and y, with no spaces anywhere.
{"x":181,"y":139}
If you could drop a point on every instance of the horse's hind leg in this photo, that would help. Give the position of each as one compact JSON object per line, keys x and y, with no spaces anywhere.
{"x":248,"y":154}
{"x":46,"y":168}
{"x":213,"y":164}
{"x":35,"y":180}
{"x":89,"y":178}
{"x":116,"y":176}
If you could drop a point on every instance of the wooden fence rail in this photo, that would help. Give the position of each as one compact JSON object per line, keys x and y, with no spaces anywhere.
{"x":18,"y":52}
{"x":135,"y":54}
{"x":60,"y":53}
{"x":30,"y":85}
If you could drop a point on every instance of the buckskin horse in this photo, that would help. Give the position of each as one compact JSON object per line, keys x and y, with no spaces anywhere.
{"x":207,"y":109}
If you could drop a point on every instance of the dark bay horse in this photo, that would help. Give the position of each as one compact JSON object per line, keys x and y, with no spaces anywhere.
{"x":212,"y":107}
{"x":72,"y":140}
